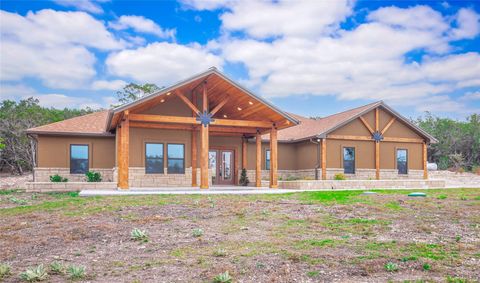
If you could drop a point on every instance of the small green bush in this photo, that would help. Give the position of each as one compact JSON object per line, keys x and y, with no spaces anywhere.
{"x":58,"y":179}
{"x":339,"y":177}
{"x":33,"y":274}
{"x":93,"y":176}
{"x":244,"y":178}
{"x":223,"y":278}
{"x":139,"y":235}
{"x":391,"y":267}
{"x":4,"y":270}
{"x":57,"y":267}
{"x":197,"y":232}
{"x":442,"y":197}
{"x":426,"y":267}
{"x":76,"y":272}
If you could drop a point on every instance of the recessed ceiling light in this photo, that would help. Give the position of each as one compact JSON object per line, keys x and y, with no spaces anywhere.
{"x":251,"y":103}
{"x":168,"y":93}
{"x":162,"y":101}
{"x":225,"y":116}
{"x":239,"y":108}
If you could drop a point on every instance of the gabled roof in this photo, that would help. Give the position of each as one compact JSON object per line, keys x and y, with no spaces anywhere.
{"x":319,"y":128}
{"x":195,"y":80}
{"x":93,"y":124}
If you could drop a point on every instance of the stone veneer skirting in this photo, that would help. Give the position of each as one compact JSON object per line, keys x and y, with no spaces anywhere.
{"x":42,"y":174}
{"x":360,"y":174}
{"x":138,"y":178}
{"x":45,"y":187}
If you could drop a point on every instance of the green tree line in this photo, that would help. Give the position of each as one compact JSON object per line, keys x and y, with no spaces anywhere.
{"x":458,"y":141}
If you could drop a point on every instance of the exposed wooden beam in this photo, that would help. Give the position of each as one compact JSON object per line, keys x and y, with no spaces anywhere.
{"x":219,"y":106}
{"x":324,"y":159}
{"x":187,"y":102}
{"x":240,"y":130}
{"x":273,"y":158}
{"x":388,"y":125}
{"x":366,"y":124}
{"x":377,"y":120}
{"x":163,"y":119}
{"x":412,"y":140}
{"x":258,"y":160}
{"x":244,"y":153}
{"x":425,"y":169}
{"x":242,"y":123}
{"x":347,"y":137}
{"x":124,"y":155}
{"x":204,"y":129}
{"x":160,"y":126}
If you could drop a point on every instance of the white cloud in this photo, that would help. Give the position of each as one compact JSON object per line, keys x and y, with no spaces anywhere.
{"x":206,"y":4}
{"x":108,"y":85}
{"x":59,"y":101}
{"x":468,"y":23}
{"x":286,"y":18}
{"x":471,"y":96}
{"x":52,"y":46}
{"x":161,"y":63}
{"x":143,"y":25}
{"x":84,"y":5}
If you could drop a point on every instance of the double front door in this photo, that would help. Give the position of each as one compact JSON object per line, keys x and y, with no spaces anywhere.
{"x":221,"y":164}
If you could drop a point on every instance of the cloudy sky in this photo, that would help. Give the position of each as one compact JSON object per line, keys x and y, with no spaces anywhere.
{"x":308,"y":57}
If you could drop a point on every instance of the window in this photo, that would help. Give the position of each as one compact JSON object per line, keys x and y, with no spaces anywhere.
{"x":267,"y":159}
{"x":153,"y":158}
{"x":402,"y":161}
{"x":349,"y":160}
{"x":78,"y":158}
{"x":176,"y":158}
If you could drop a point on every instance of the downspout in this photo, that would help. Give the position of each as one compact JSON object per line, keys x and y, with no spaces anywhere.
{"x":34,"y":149}
{"x":317,"y":165}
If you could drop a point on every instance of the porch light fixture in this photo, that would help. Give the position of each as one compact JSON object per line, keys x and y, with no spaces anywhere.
{"x":239,"y":108}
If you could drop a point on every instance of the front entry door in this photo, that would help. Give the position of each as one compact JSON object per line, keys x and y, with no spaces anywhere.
{"x":221,"y":160}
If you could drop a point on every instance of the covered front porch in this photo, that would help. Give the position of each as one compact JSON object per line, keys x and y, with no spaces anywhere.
{"x":217,"y":108}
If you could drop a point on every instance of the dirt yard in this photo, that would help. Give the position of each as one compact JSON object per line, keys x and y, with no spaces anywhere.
{"x":302,"y":237}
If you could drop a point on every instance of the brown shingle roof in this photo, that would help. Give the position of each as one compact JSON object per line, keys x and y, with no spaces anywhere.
{"x":309,"y":128}
{"x":90,"y":124}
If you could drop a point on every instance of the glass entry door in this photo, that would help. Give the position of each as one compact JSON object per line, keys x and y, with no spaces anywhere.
{"x":221,"y":161}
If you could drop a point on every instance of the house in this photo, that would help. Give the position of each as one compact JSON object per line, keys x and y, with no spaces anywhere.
{"x":203,"y":130}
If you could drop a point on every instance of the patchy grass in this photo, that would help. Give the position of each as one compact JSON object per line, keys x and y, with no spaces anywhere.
{"x":327,"y":236}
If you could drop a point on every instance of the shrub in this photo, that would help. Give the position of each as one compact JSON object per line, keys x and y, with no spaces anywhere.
{"x":243,"y":178}
{"x":220,"y":253}
{"x":18,"y":201}
{"x":426,"y":267}
{"x":76,"y":272}
{"x":58,"y":179}
{"x":339,"y":177}
{"x":4,"y":270}
{"x":34,"y":274}
{"x":223,"y":278}
{"x":93,"y":176}
{"x":292,"y":178}
{"x":139,"y":235}
{"x":57,"y":267}
{"x":476,"y":170}
{"x":197,"y":232}
{"x":391,"y":267}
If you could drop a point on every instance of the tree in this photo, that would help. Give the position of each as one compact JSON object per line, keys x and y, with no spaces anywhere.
{"x":132,"y":92}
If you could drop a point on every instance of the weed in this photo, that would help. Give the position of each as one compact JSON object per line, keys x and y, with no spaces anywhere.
{"x":220,"y":253}
{"x":391,"y":267}
{"x":223,"y":278}
{"x":393,"y":205}
{"x":442,"y":197}
{"x":450,"y":279}
{"x":463,"y":198}
{"x":339,"y":177}
{"x":212,"y":202}
{"x":405,"y":259}
{"x":4,"y":270}
{"x":57,"y":267}
{"x":426,"y":267}
{"x":458,"y":238}
{"x":18,"y":201}
{"x":139,"y":235}
{"x":265,"y":212}
{"x":197,"y":232}
{"x":34,"y":274}
{"x":8,"y":192}
{"x":312,"y":273}
{"x":76,"y":272}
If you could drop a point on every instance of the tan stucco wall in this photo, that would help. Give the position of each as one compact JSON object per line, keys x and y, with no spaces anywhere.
{"x":388,"y":152}
{"x":54,"y":151}
{"x":364,"y":151}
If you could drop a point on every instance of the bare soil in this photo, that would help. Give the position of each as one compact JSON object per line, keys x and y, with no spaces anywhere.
{"x":303,"y":237}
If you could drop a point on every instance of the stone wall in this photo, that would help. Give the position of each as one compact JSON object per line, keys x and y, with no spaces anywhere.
{"x":42,"y":174}
{"x":360,"y":174}
{"x":68,"y":186}
{"x":138,"y":178}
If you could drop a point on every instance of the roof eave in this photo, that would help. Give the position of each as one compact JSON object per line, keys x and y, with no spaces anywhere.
{"x":51,"y":133}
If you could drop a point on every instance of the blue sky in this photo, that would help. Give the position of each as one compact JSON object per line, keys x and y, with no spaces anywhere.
{"x":312,"y":58}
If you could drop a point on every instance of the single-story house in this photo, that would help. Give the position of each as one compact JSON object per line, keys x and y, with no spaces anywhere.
{"x":204,"y":130}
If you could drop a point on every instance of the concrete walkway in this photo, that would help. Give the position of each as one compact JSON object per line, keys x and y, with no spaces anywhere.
{"x":187,"y":191}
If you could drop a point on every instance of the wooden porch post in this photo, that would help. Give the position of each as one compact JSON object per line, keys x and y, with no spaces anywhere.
{"x":244,"y":153}
{"x":324,"y":159}
{"x":258,"y":160}
{"x":377,"y":148}
{"x":123,"y":155}
{"x":425,"y":169}
{"x":194,"y":145}
{"x":204,"y":145}
{"x":273,"y":158}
